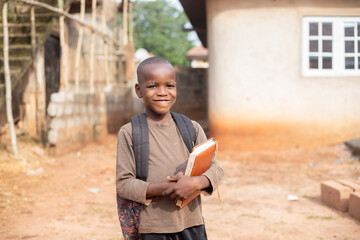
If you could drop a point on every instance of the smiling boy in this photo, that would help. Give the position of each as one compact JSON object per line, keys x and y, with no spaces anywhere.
{"x":160,"y":218}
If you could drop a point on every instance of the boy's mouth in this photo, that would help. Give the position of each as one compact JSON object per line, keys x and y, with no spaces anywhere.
{"x":162,"y":100}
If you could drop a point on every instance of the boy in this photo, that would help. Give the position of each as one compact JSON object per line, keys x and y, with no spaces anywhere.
{"x":160,"y":218}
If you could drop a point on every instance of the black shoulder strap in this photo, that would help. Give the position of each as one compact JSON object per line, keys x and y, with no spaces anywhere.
{"x":186,"y":129}
{"x":140,"y":134}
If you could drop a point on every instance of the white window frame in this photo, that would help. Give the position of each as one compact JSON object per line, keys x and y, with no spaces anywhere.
{"x":338,"y":47}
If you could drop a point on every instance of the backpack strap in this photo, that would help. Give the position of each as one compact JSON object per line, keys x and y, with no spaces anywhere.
{"x":140,"y":134}
{"x":186,"y":129}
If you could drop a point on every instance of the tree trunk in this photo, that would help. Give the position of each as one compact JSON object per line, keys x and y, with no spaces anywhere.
{"x":8,"y":87}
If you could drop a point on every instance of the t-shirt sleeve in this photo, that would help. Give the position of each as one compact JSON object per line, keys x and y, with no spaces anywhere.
{"x":126,"y":183}
{"x":215,"y":173}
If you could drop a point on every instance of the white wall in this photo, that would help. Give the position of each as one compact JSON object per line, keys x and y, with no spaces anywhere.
{"x":258,"y":97}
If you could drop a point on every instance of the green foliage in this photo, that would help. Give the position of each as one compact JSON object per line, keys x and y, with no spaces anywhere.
{"x":157,"y":28}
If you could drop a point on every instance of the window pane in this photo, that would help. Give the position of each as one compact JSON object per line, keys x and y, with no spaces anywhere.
{"x":327,"y":62}
{"x":358,"y":28}
{"x":358,"y":46}
{"x":327,"y":46}
{"x":327,"y":29}
{"x":313,"y":29}
{"x":358,"y":62}
{"x":314,"y":46}
{"x":349,"y":63}
{"x":313,"y":63}
{"x":349,"y":29}
{"x":349,"y":46}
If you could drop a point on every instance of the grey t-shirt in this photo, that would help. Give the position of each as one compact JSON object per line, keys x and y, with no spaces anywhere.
{"x":167,"y":156}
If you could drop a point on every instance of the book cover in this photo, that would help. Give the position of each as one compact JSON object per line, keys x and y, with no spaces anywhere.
{"x":199,"y":161}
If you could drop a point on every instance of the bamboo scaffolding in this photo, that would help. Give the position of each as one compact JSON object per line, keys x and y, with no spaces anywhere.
{"x":8,"y":88}
{"x":105,"y":46}
{"x":125,"y":22}
{"x":92,"y":46}
{"x":33,"y":50}
{"x":61,"y":12}
{"x":78,"y":47}
{"x":131,"y":28}
{"x":63,"y":67}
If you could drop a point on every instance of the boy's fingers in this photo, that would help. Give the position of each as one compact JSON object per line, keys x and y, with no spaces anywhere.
{"x":168,"y":191}
{"x":172,"y":178}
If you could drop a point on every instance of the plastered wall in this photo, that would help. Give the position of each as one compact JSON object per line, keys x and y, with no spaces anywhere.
{"x":258,"y":98}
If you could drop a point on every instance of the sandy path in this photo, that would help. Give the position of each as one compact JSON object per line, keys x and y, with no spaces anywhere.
{"x":57,"y":204}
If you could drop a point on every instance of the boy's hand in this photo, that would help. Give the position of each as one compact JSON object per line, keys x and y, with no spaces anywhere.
{"x":186,"y":186}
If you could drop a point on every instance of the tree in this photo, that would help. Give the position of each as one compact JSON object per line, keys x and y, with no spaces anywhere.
{"x":157,"y":28}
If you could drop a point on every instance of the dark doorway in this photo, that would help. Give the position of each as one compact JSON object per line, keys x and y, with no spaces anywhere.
{"x":52,"y":66}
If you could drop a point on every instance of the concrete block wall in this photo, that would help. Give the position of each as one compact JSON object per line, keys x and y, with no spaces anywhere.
{"x":74,"y":118}
{"x":343,"y":195}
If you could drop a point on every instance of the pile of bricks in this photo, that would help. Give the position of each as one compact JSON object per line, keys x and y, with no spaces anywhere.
{"x":343,"y":195}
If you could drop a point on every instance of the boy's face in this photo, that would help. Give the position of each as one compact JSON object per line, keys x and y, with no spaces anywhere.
{"x":157,"y":87}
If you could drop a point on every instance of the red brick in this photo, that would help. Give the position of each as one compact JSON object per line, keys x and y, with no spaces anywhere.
{"x":335,"y":195}
{"x":354,"y":205}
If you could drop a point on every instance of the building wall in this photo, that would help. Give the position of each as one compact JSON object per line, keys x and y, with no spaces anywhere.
{"x":77,"y":116}
{"x":191,"y":87}
{"x":258,"y":98}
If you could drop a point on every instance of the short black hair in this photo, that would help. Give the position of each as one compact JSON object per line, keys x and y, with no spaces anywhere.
{"x":148,"y":61}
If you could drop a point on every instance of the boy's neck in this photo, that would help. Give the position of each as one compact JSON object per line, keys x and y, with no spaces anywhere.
{"x":158,"y":118}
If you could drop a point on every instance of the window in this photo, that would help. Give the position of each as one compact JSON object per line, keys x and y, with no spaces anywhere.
{"x":331,"y":46}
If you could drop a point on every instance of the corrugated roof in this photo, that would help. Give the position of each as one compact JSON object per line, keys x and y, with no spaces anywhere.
{"x":196,"y":12}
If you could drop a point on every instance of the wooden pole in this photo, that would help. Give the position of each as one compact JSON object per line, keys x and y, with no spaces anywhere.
{"x":73,"y":18}
{"x":63,"y":70}
{"x":125,"y":22}
{"x":8,"y":87}
{"x":131,"y":30}
{"x":105,"y":46}
{"x":78,"y":47}
{"x":37,"y":92}
{"x":92,"y":46}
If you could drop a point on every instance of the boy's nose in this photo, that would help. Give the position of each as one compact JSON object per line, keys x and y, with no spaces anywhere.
{"x":162,"y":91}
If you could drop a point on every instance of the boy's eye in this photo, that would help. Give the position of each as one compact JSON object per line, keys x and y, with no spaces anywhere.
{"x":152,"y":86}
{"x":170,"y":85}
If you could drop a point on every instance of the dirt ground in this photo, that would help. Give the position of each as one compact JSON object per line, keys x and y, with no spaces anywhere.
{"x":73,"y":196}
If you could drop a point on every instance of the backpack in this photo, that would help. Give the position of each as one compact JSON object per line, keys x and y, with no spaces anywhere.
{"x":129,"y":211}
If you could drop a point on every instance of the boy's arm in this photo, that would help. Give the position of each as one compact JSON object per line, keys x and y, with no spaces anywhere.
{"x":126,"y":183}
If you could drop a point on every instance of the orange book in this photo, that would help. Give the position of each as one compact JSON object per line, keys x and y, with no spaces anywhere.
{"x":199,"y":161}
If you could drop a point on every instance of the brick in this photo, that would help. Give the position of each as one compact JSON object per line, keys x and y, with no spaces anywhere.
{"x":354,"y":205}
{"x":354,"y":185}
{"x":335,"y":195}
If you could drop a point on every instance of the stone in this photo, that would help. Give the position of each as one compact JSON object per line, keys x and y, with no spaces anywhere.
{"x":52,"y":108}
{"x":53,"y":136}
{"x":335,"y":195}
{"x":354,"y":205}
{"x":59,"y":97}
{"x":57,"y":123}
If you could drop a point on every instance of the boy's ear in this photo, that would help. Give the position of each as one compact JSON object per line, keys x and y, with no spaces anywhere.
{"x":137,"y":90}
